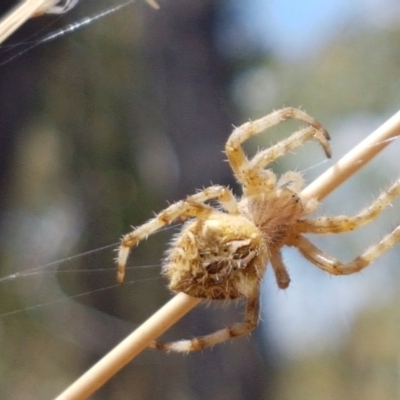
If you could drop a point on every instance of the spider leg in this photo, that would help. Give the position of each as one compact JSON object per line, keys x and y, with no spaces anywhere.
{"x":292,"y":180}
{"x":246,"y":170}
{"x":342,"y":223}
{"x":281,"y":274}
{"x":234,"y":331}
{"x":191,"y":207}
{"x":333,"y":266}
{"x":220,"y":193}
{"x":267,"y":156}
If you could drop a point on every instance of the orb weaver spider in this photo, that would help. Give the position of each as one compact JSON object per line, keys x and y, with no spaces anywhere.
{"x":222,"y":252}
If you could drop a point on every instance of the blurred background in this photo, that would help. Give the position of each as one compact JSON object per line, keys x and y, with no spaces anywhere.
{"x":104,"y":126}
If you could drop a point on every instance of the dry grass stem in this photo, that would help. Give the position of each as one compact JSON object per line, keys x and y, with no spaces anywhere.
{"x":27,"y":9}
{"x":130,"y":347}
{"x":18,"y":15}
{"x":181,"y":304}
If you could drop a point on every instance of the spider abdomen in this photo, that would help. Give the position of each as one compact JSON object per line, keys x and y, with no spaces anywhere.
{"x":221,"y":257}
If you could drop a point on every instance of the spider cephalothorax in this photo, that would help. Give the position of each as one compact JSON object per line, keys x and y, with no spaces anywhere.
{"x":222,"y":253}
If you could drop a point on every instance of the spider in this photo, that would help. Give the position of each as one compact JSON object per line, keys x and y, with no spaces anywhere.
{"x":222,"y":252}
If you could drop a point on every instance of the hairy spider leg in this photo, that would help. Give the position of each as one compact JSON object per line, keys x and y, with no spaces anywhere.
{"x":335,"y":267}
{"x":344,"y":223}
{"x":239,"y":329}
{"x":247,"y":171}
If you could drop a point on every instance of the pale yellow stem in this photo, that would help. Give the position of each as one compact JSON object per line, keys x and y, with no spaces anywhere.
{"x":18,"y":15}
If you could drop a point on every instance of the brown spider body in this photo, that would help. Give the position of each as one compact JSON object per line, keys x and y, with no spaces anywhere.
{"x":225,"y":256}
{"x":222,"y":253}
